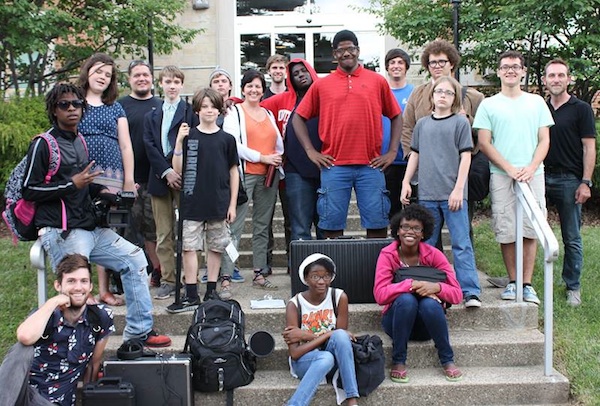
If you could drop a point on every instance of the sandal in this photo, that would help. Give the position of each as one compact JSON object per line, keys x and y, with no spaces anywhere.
{"x":452,"y":373}
{"x":399,"y":376}
{"x":266,"y":284}
{"x":111,"y":300}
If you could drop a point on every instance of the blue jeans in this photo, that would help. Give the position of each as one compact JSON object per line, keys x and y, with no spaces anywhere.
{"x":419,"y":318}
{"x":560,"y":191}
{"x":104,"y":247}
{"x":14,"y":379}
{"x":371,"y":196}
{"x":313,"y":366}
{"x":462,"y":249}
{"x":302,"y":205}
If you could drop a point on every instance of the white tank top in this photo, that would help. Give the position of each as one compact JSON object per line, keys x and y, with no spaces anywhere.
{"x":318,"y":318}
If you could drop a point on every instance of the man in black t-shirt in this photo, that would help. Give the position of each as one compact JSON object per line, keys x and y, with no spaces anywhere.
{"x":139,"y":102}
{"x":569,"y":166}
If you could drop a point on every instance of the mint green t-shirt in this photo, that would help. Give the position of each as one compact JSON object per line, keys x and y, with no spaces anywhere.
{"x":514,"y":124}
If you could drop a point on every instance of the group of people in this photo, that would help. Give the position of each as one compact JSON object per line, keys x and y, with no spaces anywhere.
{"x":350,"y":130}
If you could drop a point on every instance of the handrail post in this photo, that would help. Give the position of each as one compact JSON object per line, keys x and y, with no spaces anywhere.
{"x":527,"y":203}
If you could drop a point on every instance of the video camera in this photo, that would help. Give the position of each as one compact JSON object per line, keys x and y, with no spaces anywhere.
{"x":112,"y":210}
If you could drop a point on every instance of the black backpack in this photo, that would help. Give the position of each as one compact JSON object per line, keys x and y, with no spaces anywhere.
{"x":221,"y":360}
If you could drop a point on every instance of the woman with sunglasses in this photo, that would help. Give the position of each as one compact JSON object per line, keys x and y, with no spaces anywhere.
{"x":415,"y":309}
{"x":316,"y":332}
{"x":106,"y":131}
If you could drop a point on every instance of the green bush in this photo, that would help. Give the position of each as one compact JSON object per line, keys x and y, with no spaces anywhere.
{"x":20,"y":120}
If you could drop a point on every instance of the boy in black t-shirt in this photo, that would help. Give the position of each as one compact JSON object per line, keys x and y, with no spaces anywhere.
{"x":209,"y":193}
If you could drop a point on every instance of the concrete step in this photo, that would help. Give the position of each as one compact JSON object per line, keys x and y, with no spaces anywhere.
{"x":427,"y":386}
{"x":495,"y":314}
{"x":471,"y":348}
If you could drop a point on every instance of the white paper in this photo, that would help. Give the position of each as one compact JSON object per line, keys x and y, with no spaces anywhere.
{"x":267,"y":304}
{"x":232,"y":252}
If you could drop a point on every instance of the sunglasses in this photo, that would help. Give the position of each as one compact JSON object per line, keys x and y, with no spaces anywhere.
{"x":65,"y":104}
{"x":138,"y":62}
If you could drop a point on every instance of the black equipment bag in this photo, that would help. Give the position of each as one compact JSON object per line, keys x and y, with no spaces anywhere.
{"x":355,"y":261}
{"x":369,"y":362}
{"x":420,"y":273}
{"x":106,"y":391}
{"x":221,"y":360}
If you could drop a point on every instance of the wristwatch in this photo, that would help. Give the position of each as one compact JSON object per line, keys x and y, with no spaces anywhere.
{"x":587,"y":182}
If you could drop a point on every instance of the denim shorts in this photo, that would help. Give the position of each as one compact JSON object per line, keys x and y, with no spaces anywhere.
{"x":371,"y":195}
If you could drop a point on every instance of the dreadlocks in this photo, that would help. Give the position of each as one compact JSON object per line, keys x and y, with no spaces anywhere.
{"x":58,"y":90}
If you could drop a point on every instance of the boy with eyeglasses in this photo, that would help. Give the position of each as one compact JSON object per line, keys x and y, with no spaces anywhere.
{"x":514,"y":133}
{"x":65,"y":214}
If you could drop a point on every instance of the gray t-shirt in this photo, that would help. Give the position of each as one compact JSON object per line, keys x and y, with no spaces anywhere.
{"x":439,"y":142}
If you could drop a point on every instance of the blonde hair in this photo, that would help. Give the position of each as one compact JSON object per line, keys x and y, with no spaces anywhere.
{"x":456,"y":88}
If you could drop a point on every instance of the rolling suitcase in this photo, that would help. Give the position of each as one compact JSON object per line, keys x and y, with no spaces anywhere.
{"x":108,"y":391}
{"x":355,"y":261}
{"x":164,"y":380}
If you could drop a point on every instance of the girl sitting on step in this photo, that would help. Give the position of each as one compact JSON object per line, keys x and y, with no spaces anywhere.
{"x":316,"y":332}
{"x":414,"y":309}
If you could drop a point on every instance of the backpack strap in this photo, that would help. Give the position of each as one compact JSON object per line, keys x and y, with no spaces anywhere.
{"x":333,"y":301}
{"x":93,"y":318}
{"x":53,"y":166}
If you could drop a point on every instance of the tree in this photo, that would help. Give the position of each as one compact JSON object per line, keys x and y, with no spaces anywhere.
{"x":540,"y":29}
{"x":42,"y":41}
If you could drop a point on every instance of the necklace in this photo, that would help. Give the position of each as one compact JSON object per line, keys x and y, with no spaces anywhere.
{"x":404,"y":261}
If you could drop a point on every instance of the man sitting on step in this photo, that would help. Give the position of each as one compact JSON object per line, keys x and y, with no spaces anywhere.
{"x":57,"y":342}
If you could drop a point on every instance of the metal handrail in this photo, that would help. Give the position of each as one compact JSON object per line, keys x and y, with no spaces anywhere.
{"x":527,"y":204}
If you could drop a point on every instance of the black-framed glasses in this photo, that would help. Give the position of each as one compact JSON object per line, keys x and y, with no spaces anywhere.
{"x":440,"y":62}
{"x":326,"y":278}
{"x":416,"y":229}
{"x":341,"y":51}
{"x":64,"y":104}
{"x":440,"y":92}
{"x":138,"y":62}
{"x":506,"y":68}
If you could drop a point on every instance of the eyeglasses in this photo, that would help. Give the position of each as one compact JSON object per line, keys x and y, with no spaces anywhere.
{"x":441,"y":63}
{"x":440,"y":92}
{"x":506,"y":68}
{"x":65,"y":104}
{"x":416,"y":229}
{"x":138,"y":62}
{"x":341,"y":51}
{"x":326,"y":278}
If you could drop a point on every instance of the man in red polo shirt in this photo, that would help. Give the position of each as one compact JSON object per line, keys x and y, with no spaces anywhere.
{"x":349,"y":103}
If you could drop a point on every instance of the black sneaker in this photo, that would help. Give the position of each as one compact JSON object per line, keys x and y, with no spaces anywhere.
{"x":186,"y":305}
{"x":472,"y":301}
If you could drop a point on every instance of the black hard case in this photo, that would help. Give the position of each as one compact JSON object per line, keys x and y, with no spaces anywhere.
{"x":355,"y":261}
{"x":107,"y":391}
{"x":161,"y":380}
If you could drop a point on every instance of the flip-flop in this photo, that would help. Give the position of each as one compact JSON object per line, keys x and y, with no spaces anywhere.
{"x":110,"y":299}
{"x":453,"y":374}
{"x":399,"y":376}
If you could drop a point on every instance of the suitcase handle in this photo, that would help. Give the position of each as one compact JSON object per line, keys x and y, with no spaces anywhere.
{"x":109,"y":381}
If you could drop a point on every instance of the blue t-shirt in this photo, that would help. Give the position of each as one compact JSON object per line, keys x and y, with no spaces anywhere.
{"x":402,"y":98}
{"x":514,"y":124}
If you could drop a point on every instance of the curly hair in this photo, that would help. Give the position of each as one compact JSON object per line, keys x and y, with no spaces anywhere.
{"x":440,"y":46}
{"x":413,"y":212}
{"x":71,"y":263}
{"x":56,"y":92}
{"x":110,"y":94}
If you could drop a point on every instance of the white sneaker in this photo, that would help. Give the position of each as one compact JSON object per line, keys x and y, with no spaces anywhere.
{"x":574,"y":297}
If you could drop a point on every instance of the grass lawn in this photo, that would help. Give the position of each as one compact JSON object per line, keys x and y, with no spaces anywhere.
{"x":576,"y":331}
